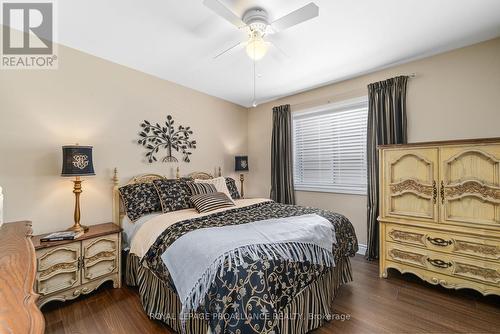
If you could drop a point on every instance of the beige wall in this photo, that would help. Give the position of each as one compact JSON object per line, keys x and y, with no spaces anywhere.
{"x":455,"y":95}
{"x":95,"y":102}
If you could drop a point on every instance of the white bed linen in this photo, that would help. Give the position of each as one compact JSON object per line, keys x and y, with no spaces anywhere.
{"x":150,"y":230}
{"x":130,"y":228}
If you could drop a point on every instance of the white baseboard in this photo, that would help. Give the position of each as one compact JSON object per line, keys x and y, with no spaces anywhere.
{"x":361,"y":249}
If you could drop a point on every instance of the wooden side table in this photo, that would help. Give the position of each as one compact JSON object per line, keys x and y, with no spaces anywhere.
{"x":67,"y":269}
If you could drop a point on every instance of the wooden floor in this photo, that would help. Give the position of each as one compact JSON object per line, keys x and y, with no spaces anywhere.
{"x":400,"y":304}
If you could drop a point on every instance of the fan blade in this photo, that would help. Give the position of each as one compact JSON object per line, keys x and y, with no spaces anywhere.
{"x":300,"y":15}
{"x":283,"y":53}
{"x":228,"y":49}
{"x":225,"y":12}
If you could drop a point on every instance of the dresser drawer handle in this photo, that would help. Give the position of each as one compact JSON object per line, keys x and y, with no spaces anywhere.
{"x":442,"y":192}
{"x":434,"y":191}
{"x":439,"y":263}
{"x":439,"y":242}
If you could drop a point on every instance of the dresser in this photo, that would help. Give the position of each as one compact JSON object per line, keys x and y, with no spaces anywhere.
{"x":18,"y":310}
{"x":67,"y":269}
{"x":440,"y":212}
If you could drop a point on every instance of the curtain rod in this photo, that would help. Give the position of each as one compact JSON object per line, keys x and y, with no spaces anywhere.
{"x":328,"y":99}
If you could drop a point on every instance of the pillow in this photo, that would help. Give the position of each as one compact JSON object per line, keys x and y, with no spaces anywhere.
{"x":220,"y":185}
{"x":201,"y":188}
{"x":174,"y":194}
{"x":139,"y":200}
{"x":211,"y":201}
{"x":233,"y":190}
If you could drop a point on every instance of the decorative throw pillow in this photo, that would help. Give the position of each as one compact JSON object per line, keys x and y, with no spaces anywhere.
{"x":201,"y":188}
{"x":220,"y":185}
{"x":174,"y":194}
{"x":139,"y":199}
{"x":211,"y":201}
{"x":233,"y":190}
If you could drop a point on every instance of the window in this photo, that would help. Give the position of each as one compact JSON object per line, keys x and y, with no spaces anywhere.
{"x":330,"y":148}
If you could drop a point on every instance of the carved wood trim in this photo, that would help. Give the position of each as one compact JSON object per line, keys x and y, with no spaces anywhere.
{"x":19,"y":313}
{"x":56,"y":250}
{"x":454,"y":282}
{"x":104,"y":255}
{"x":473,"y":188}
{"x":201,"y":176}
{"x":407,"y":236}
{"x":145,"y":178}
{"x":472,"y":271}
{"x":406,"y":256}
{"x":79,"y":290}
{"x":412,"y":186}
{"x":491,"y":251}
{"x":64,"y":267}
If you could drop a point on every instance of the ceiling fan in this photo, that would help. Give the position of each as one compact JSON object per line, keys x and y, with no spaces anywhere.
{"x":256,"y":23}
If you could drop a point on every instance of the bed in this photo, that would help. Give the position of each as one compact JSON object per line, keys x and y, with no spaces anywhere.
{"x":268,"y":294}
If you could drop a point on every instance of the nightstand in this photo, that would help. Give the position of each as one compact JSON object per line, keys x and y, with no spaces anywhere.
{"x":67,"y":269}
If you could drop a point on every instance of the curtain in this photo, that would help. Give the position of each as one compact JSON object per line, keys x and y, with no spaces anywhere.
{"x":386,"y":125}
{"x":282,"y":190}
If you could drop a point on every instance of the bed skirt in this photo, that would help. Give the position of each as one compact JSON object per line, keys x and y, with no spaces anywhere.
{"x":307,"y":311}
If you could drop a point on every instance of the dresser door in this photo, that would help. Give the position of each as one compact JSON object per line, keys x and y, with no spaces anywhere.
{"x":58,"y":268}
{"x":409,"y":184}
{"x":470,"y":185}
{"x":100,"y":257}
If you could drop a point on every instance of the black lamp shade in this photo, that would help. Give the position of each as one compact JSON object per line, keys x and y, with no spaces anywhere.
{"x":77,"y":161}
{"x":241,"y":163}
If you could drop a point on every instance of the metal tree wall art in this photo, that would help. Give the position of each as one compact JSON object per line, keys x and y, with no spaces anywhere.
{"x":155,"y":137}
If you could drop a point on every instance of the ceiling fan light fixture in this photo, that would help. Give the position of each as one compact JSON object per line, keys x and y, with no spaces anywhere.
{"x":256,"y":48}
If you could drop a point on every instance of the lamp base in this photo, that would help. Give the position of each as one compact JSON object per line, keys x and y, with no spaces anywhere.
{"x":78,"y":228}
{"x":242,"y":178}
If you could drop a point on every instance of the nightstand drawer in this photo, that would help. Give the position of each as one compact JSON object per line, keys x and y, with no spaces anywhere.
{"x":58,"y":268}
{"x":100,"y":257}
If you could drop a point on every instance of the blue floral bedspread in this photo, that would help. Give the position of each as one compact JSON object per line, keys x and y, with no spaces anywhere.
{"x":249,"y":298}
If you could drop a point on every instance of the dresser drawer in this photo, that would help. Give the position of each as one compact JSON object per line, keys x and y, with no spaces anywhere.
{"x":444,"y":241}
{"x":100,"y":257}
{"x":57,"y":268}
{"x":484,"y":272}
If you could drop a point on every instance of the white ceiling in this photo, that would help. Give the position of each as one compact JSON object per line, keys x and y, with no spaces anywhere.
{"x":176,"y":40}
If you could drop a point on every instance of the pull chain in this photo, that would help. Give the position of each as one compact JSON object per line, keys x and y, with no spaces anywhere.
{"x":254,"y":104}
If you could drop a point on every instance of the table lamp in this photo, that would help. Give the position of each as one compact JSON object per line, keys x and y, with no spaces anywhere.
{"x":241,"y":165}
{"x":77,"y":162}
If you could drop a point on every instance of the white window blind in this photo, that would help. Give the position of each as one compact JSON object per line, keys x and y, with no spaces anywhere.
{"x":330,"y":148}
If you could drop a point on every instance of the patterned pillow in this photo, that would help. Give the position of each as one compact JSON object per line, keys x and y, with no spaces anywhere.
{"x":139,"y":199}
{"x":211,"y":201}
{"x":219,"y":184}
{"x":201,"y":188}
{"x":174,"y":194}
{"x":233,"y":190}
